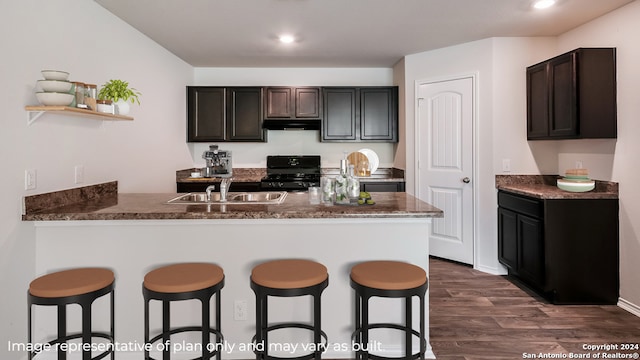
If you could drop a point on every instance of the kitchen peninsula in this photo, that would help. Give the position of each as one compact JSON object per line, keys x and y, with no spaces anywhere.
{"x":134,"y":233}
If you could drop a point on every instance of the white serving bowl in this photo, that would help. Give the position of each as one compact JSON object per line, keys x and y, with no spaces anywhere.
{"x":54,"y":86}
{"x":55,"y":98}
{"x":576,"y":185}
{"x":55,"y":75}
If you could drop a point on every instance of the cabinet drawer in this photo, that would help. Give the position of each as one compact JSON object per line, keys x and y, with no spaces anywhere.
{"x":521,"y":204}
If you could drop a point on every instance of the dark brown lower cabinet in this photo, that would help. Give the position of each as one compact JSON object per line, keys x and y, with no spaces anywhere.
{"x":567,"y":250}
{"x":382,"y":186}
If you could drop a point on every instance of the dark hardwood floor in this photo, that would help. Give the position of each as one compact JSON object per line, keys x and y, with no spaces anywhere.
{"x":474,"y":315}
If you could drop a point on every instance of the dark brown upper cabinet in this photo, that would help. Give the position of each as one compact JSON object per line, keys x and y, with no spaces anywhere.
{"x":360,"y":114}
{"x":206,"y":114}
{"x":340,"y":116}
{"x":292,"y":103}
{"x":573,"y":96}
{"x":224,"y":114}
{"x":244,"y":114}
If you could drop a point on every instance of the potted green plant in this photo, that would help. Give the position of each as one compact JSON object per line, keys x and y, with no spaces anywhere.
{"x":120,"y":93}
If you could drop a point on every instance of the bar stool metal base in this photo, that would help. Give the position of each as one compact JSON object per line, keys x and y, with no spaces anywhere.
{"x":85,"y":301}
{"x":263,"y":327}
{"x":204,"y":296}
{"x":361,"y":335}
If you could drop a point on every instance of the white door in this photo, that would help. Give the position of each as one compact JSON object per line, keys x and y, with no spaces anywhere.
{"x":445,"y":164}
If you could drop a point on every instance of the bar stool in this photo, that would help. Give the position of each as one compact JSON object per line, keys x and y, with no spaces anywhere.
{"x":389,"y":279}
{"x":288,"y":278}
{"x":76,"y":286}
{"x":184,"y":281}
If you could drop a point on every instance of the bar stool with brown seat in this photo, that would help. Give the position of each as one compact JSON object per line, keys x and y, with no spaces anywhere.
{"x":389,"y":279}
{"x":288,"y":278}
{"x":80,"y":286}
{"x":185,"y":281}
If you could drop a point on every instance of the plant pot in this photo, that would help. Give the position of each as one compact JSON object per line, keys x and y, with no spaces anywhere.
{"x":122,"y":107}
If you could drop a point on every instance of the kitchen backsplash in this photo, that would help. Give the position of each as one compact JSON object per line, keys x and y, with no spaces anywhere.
{"x":291,"y":142}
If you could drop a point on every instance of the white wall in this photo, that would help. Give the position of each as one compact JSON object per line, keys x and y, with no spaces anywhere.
{"x":511,"y":57}
{"x":94,"y":46}
{"x":293,"y":142}
{"x":616,"y":159}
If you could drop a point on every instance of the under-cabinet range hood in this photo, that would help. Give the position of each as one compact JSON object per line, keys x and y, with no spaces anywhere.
{"x":291,"y":124}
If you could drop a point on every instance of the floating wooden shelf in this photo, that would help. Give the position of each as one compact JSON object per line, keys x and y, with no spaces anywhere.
{"x":34,"y":112}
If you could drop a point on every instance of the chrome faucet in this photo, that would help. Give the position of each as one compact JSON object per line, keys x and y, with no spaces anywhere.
{"x":224,"y":188}
{"x":208,"y":191}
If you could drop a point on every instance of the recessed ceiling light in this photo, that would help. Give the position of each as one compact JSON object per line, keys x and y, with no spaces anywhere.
{"x":286,"y":39}
{"x":543,"y":4}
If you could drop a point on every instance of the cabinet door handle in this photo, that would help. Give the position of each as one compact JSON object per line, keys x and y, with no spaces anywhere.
{"x":466,"y":180}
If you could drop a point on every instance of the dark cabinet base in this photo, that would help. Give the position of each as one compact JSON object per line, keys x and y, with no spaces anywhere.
{"x":565,"y":249}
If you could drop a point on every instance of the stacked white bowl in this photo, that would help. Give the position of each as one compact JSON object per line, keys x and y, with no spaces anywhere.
{"x":576,"y":180}
{"x":54,"y":89}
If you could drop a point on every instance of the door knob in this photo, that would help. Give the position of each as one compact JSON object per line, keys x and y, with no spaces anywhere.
{"x":466,"y":180}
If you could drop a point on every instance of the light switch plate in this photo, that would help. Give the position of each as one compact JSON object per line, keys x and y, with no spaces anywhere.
{"x":79,"y":174}
{"x":30,"y":179}
{"x":506,"y":165}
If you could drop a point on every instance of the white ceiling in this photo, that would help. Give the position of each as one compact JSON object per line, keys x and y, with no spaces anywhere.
{"x":338,"y":33}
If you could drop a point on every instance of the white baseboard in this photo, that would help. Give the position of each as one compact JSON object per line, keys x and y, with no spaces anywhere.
{"x":490,"y":270}
{"x":629,"y":306}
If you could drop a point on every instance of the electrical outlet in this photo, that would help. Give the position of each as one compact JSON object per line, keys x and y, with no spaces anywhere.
{"x":506,"y":165}
{"x":79,"y":174}
{"x":30,"y":179}
{"x":240,"y":310}
{"x":578,"y":164}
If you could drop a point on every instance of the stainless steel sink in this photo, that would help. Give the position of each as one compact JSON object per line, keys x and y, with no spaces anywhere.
{"x":268,"y":196}
{"x":262,"y":197}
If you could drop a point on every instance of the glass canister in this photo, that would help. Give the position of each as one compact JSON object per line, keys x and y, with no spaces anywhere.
{"x":91,"y":95}
{"x":105,"y":106}
{"x":353,"y":184}
{"x":314,"y":195}
{"x":347,"y":187}
{"x":80,"y":92}
{"x":72,"y":91}
{"x":91,"y":90}
{"x":327,"y":190}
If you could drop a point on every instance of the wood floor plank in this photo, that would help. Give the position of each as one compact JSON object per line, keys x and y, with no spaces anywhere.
{"x":496,"y":350}
{"x":478,"y":316}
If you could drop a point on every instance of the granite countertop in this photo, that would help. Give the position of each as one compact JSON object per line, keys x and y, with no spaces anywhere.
{"x":102,"y":202}
{"x":544,"y":187}
{"x":256,"y":174}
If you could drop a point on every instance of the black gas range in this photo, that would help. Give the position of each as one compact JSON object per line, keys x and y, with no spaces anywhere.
{"x":291,"y":172}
